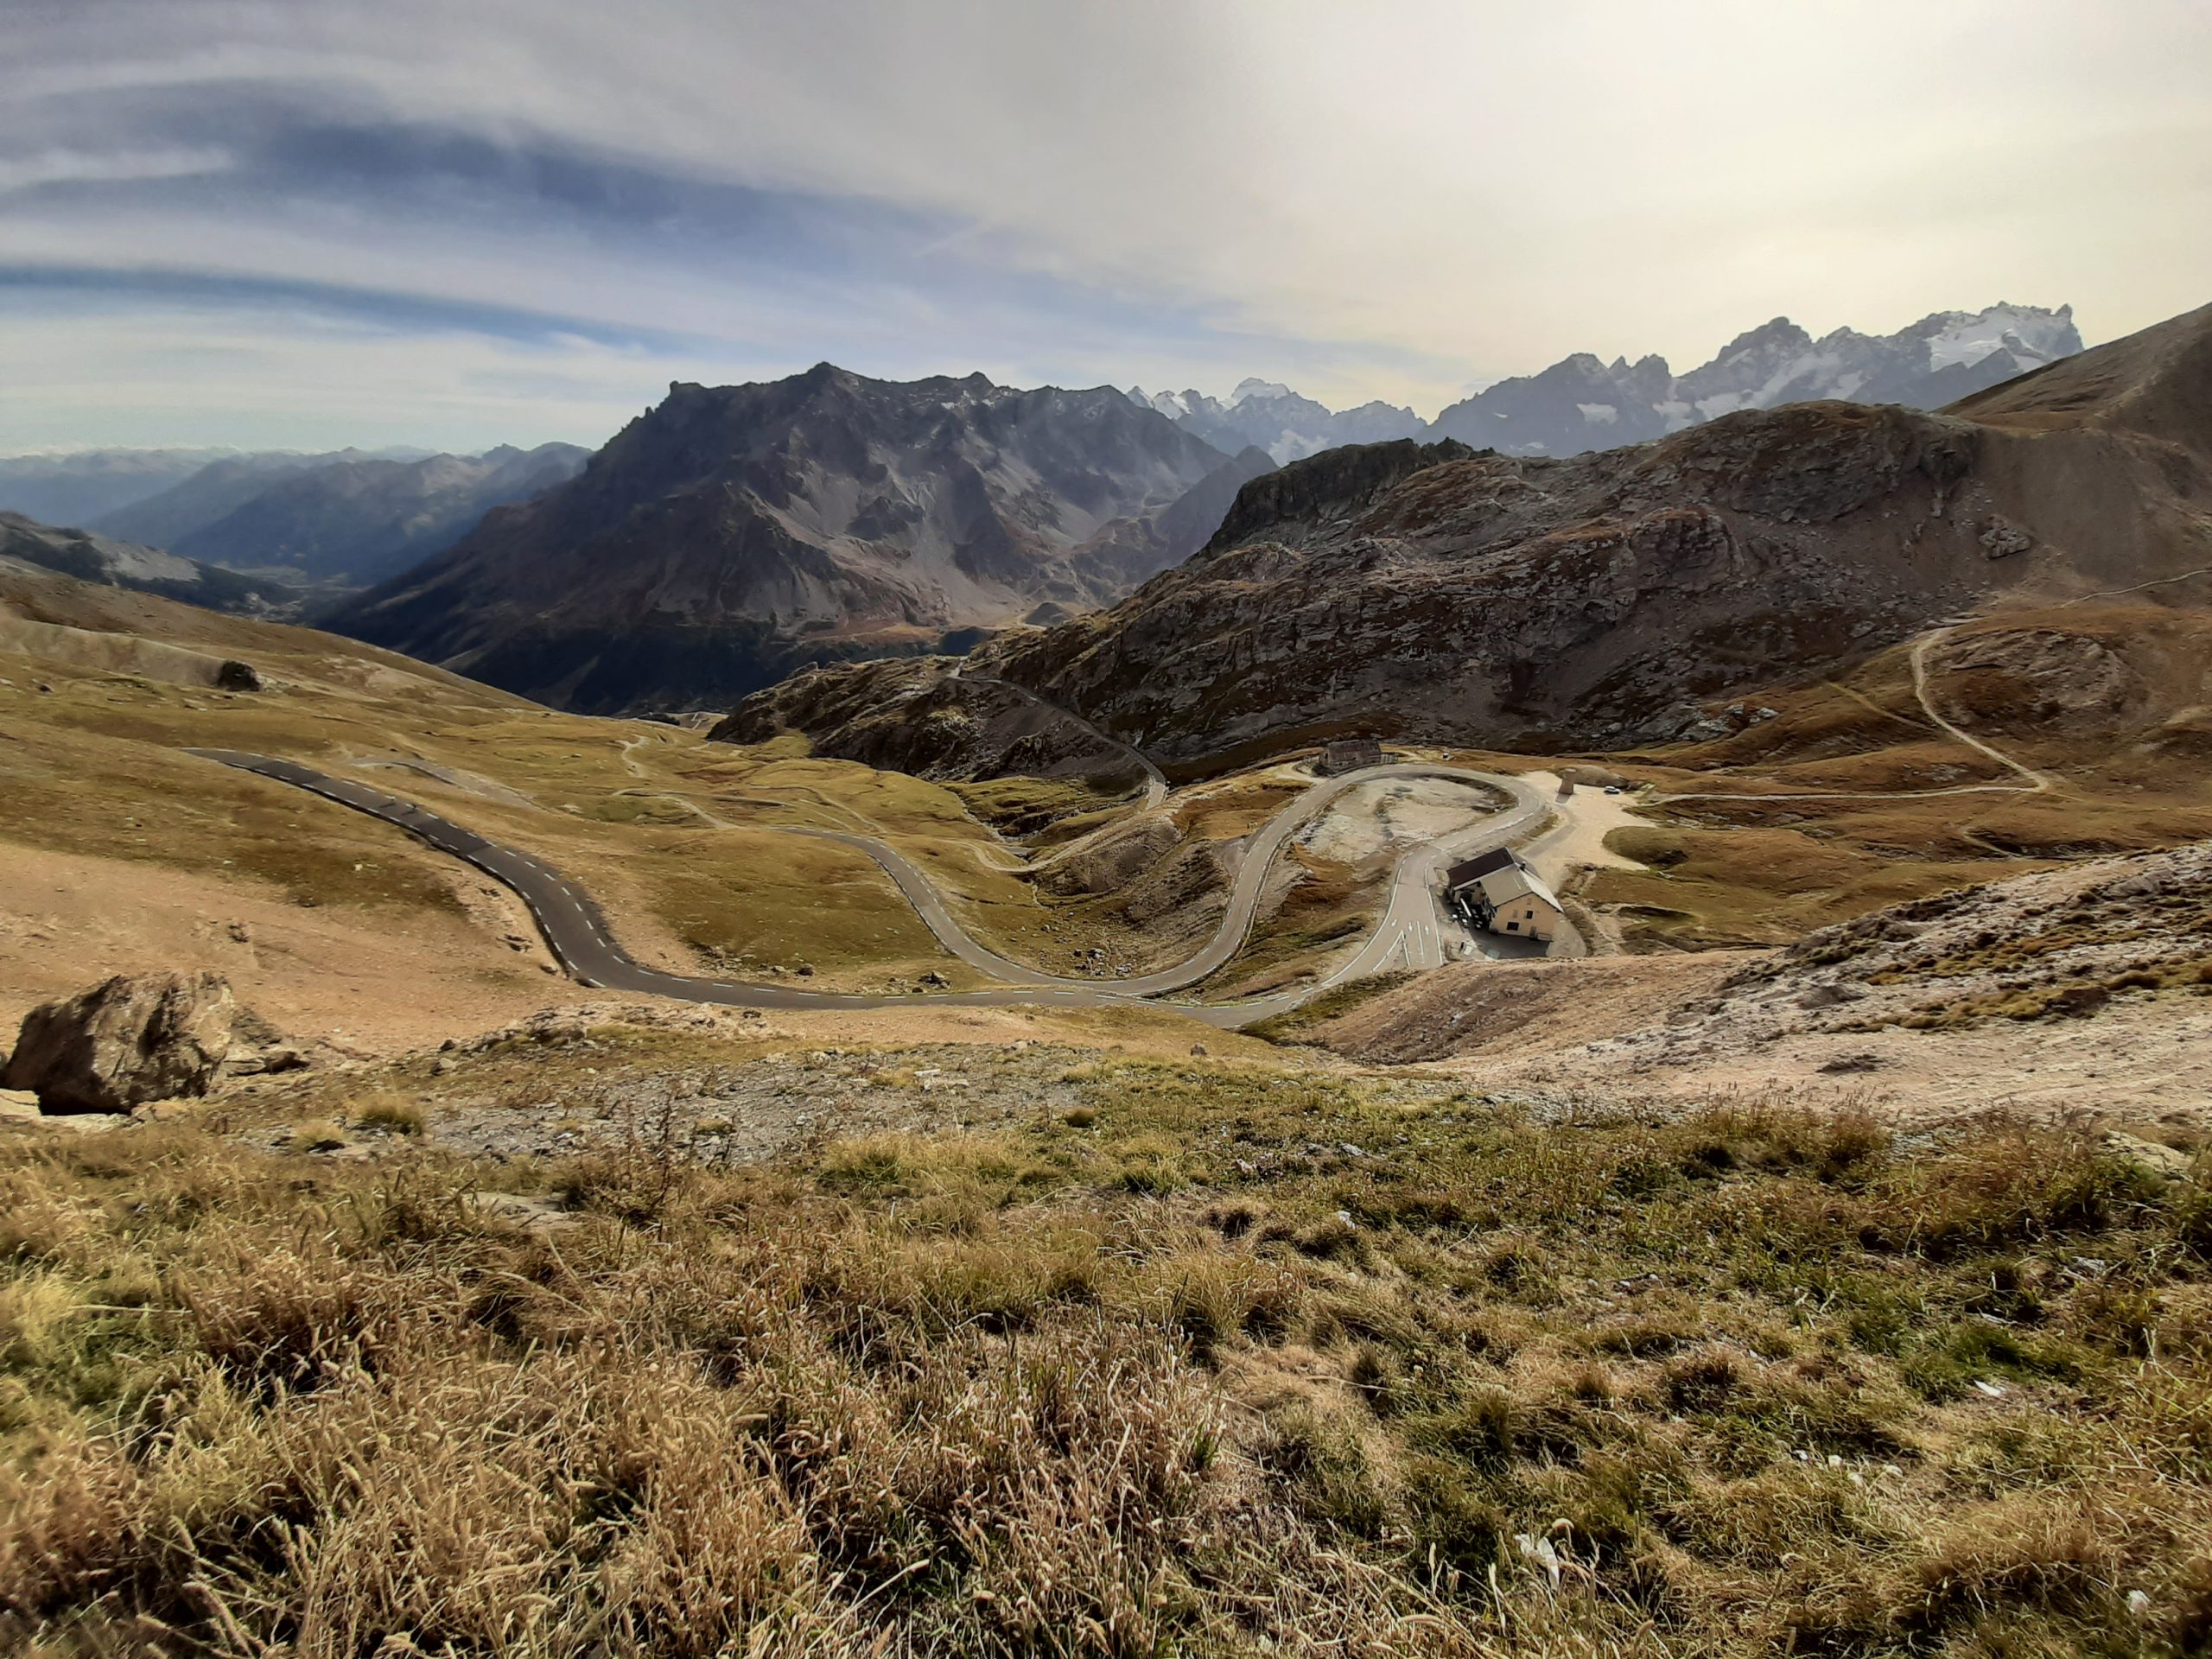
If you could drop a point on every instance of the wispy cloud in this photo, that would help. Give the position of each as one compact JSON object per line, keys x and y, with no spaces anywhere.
{"x":110,"y":167}
{"x":1392,"y":200}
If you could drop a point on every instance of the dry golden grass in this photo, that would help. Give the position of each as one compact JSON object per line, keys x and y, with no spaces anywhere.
{"x":1225,"y":1360}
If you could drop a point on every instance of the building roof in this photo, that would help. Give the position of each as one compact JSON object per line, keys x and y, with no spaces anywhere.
{"x":1480,"y":865}
{"x":1507,"y":885}
{"x":1504,"y":877}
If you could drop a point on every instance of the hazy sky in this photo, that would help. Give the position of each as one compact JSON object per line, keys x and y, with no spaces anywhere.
{"x":454,"y":222}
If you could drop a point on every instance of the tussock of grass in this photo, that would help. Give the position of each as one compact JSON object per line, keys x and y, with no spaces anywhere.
{"x":393,"y":1113}
{"x":1250,"y":1361}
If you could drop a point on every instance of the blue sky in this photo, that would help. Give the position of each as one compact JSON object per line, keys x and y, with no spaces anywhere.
{"x":308,"y":225}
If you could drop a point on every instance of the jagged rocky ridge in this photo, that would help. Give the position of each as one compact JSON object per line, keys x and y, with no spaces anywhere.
{"x":1582,"y":403}
{"x":734,"y":534}
{"x":1469,"y":597}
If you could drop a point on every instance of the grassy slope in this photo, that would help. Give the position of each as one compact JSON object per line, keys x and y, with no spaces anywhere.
{"x":90,"y":766}
{"x":1219,"y":1359}
{"x":1751,"y":873}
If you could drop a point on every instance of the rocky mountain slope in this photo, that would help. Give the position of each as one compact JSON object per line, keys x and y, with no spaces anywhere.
{"x":732,"y":534}
{"x":145,"y":569}
{"x":1126,"y":551}
{"x":1437,"y":591}
{"x":348,"y":519}
{"x":918,"y":716}
{"x":2017,"y":994}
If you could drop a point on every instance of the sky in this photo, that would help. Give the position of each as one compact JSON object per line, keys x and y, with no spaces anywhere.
{"x":320,"y":222}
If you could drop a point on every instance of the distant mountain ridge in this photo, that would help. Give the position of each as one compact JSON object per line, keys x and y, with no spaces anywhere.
{"x":348,"y":519}
{"x":1265,"y":415}
{"x":1582,"y":403}
{"x":732,"y":534}
{"x":79,"y":486}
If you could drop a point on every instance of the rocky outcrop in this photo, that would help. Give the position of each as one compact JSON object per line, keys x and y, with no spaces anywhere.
{"x":1112,"y":860}
{"x":123,"y":1043}
{"x":920,"y":716}
{"x":2040,"y":678}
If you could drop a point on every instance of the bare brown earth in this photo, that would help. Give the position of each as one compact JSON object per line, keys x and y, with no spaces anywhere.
{"x":358,"y":984}
{"x":2080,"y":991}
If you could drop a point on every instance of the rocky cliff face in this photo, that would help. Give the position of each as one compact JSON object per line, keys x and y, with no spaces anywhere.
{"x":1443,"y":593}
{"x":733,"y":533}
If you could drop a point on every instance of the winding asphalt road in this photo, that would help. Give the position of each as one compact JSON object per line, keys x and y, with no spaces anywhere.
{"x":582,"y":943}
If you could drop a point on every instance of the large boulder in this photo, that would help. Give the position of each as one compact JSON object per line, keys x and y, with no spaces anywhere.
{"x":131,"y":1039}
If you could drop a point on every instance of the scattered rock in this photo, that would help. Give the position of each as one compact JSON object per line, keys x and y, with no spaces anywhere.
{"x":277,"y":1057}
{"x":2001,"y":538}
{"x":1198,"y":1049}
{"x":126,"y":1041}
{"x":521,"y":1210}
{"x":1829,"y":997}
{"x":1862,"y":1062}
{"x":234,"y":676}
{"x":2168,"y":1162}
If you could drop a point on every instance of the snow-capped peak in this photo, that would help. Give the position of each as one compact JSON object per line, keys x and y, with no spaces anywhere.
{"x":1247,"y":389}
{"x":2027,"y":330}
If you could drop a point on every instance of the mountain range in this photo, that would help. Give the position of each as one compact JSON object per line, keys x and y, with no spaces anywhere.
{"x":1437,"y":591}
{"x":337,"y":520}
{"x":732,"y":534}
{"x":346,"y":519}
{"x":1267,"y":415}
{"x":1582,"y":403}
